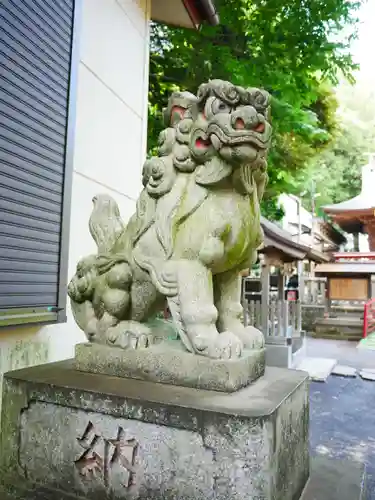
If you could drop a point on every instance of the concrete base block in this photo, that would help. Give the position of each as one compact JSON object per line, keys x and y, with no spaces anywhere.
{"x":74,"y":435}
{"x":168,"y":365}
{"x":279,"y":356}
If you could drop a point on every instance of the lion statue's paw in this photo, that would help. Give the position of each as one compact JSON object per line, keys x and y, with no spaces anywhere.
{"x":228,"y":346}
{"x":129,"y":335}
{"x":251,"y":337}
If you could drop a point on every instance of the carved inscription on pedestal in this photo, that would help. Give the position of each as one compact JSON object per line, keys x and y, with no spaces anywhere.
{"x":101,"y":454}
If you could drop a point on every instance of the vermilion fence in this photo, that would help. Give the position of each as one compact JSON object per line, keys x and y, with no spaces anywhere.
{"x":369,"y":318}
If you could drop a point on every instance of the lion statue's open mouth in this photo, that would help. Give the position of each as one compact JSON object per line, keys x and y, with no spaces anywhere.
{"x":231,"y":123}
{"x":220,"y":137}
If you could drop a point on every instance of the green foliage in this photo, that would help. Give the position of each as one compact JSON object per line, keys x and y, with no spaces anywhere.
{"x":287,"y":47}
{"x":336,"y":171}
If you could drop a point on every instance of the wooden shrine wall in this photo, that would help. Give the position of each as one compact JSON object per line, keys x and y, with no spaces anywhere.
{"x":348,"y":288}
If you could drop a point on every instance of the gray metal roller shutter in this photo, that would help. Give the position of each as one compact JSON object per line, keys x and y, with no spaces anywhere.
{"x":36,"y":40}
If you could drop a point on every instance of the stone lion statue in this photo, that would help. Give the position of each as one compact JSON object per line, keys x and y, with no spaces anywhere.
{"x":196,"y":227}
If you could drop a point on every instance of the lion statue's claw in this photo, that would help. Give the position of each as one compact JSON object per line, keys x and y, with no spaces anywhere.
{"x":129,"y":335}
{"x":226,"y":346}
{"x":251,"y":337}
{"x":229,"y":346}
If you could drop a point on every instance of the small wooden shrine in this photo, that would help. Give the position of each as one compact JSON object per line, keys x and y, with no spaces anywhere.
{"x":268,"y":304}
{"x":349,"y":281}
{"x":350,"y":286}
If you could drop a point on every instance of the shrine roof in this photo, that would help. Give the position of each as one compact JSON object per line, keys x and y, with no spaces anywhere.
{"x":281,"y":241}
{"x":358,"y":203}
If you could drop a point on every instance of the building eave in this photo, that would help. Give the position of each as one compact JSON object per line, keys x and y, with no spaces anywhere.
{"x":185,"y":13}
{"x":279,"y":240}
{"x":202,"y":11}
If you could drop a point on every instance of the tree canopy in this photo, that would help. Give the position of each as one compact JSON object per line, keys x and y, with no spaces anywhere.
{"x":336,"y":170}
{"x":292,"y":48}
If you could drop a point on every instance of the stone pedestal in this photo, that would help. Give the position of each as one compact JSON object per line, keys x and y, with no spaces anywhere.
{"x":169,"y":365}
{"x":69,"y":434}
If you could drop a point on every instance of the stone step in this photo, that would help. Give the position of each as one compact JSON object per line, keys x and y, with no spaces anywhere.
{"x":335,"y":480}
{"x":319,"y":369}
{"x":340,"y":321}
{"x":348,"y":309}
{"x":342,"y":328}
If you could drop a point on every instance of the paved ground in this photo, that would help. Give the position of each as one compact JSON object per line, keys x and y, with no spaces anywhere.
{"x":343,"y":409}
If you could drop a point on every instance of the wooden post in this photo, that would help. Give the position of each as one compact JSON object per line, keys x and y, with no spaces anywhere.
{"x":285,"y":312}
{"x":299,"y":317}
{"x":301,"y":286}
{"x":327,"y":300}
{"x":244,"y":302}
{"x":372,"y":288}
{"x":280,"y":301}
{"x":281,"y":285}
{"x":265,"y":278}
{"x":245,"y":309}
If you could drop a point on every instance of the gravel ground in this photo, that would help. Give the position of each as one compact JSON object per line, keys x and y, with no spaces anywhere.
{"x":342,"y":411}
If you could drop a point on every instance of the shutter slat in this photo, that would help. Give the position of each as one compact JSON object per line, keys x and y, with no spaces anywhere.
{"x":27,"y":287}
{"x":25,"y":103}
{"x":31,"y":123}
{"x":50,"y":92}
{"x":29,"y":277}
{"x":31,"y":176}
{"x":35,"y":67}
{"x":29,"y":187}
{"x":8,"y":253}
{"x":57,"y":11}
{"x":17,"y":203}
{"x":34,"y":299}
{"x":16,"y":86}
{"x":52,"y":31}
{"x":35,"y":52}
{"x":27,"y":267}
{"x":27,"y":35}
{"x":29,"y":222}
{"x":21,"y":242}
{"x":10,"y":162}
{"x":33,"y":134}
{"x":32,"y":233}
{"x":28,"y":151}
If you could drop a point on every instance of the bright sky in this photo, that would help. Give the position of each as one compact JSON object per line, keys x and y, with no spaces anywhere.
{"x":364,"y":47}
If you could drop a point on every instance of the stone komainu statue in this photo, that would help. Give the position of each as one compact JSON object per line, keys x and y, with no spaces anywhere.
{"x":196,"y":226}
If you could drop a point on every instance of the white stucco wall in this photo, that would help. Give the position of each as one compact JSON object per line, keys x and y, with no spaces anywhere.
{"x":110,"y":147}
